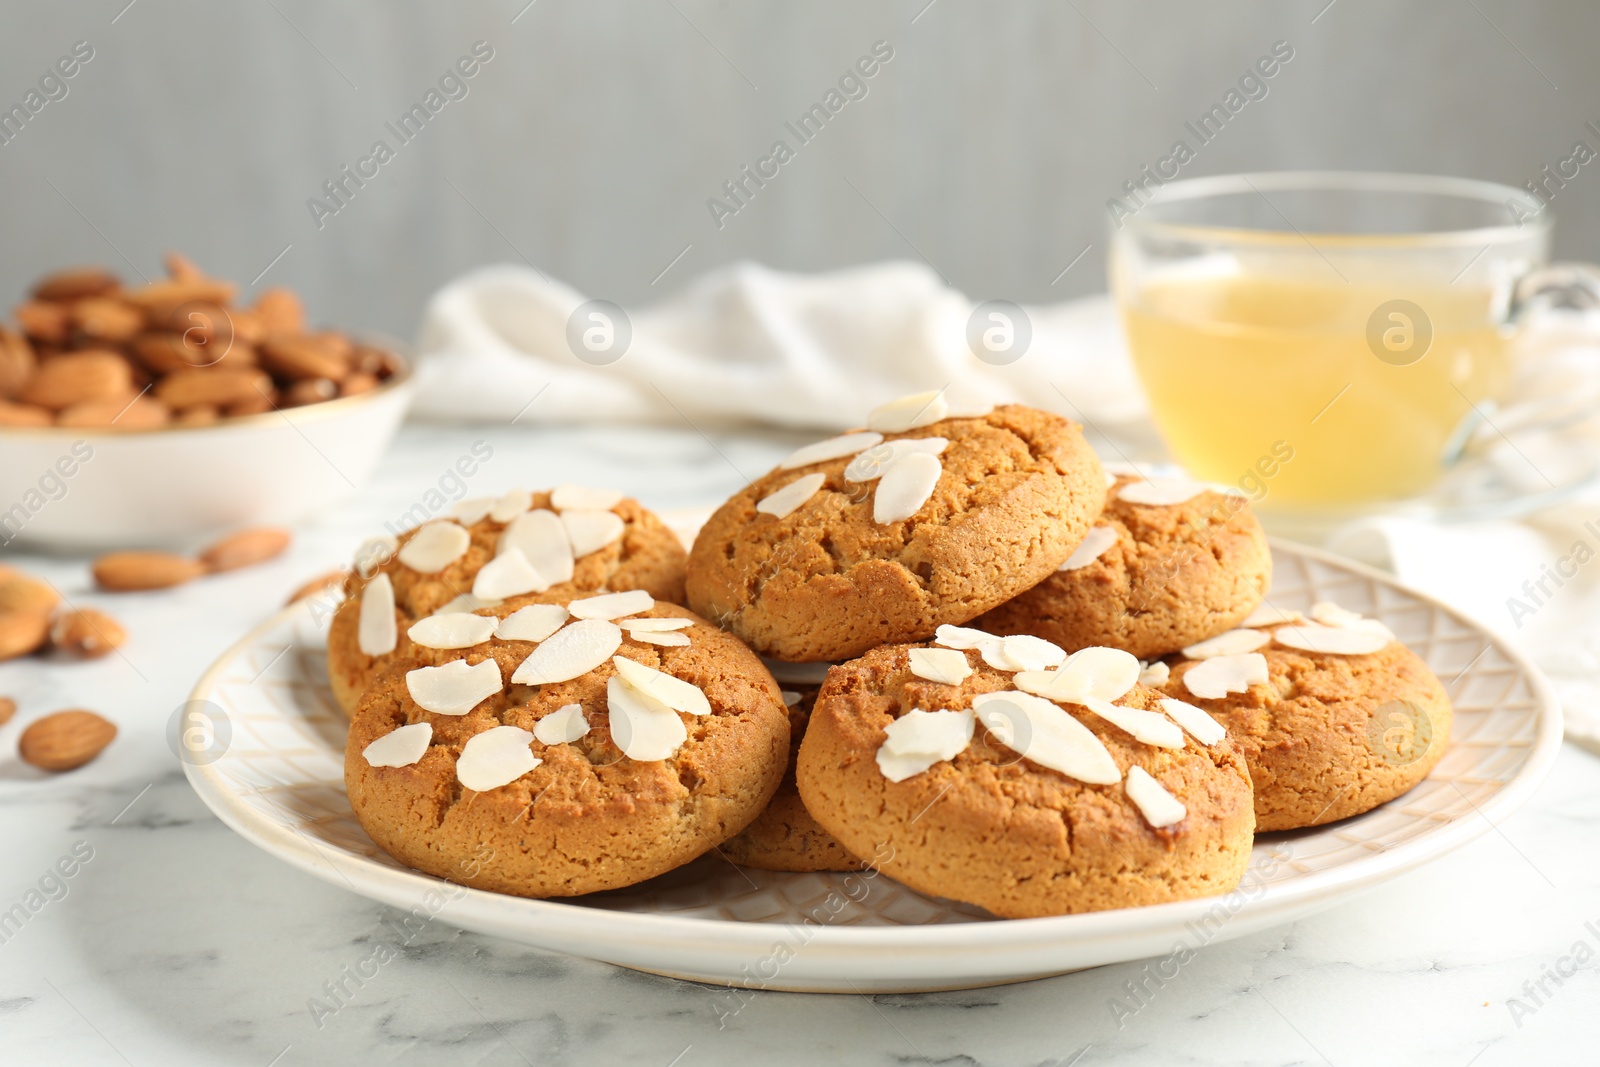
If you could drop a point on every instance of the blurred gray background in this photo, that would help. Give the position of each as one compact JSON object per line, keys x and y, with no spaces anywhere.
{"x":589,"y":144}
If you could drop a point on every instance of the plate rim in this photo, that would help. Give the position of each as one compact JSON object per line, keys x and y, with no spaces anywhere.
{"x":994,"y":937}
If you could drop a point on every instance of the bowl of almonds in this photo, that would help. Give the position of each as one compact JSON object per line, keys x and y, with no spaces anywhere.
{"x":153,"y":413}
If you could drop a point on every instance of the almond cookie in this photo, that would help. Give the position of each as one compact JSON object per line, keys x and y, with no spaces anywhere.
{"x":493,"y":551}
{"x":592,"y":744}
{"x":1169,"y":562}
{"x":884,"y":534}
{"x":1002,"y":773}
{"x":1333,"y":714}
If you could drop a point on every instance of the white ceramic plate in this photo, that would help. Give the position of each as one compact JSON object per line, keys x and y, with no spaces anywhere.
{"x":279,"y":781}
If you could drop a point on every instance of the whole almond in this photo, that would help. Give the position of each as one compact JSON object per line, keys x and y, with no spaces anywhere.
{"x":280,"y":310}
{"x":126,"y":572}
{"x":22,"y":632}
{"x":248,"y":325}
{"x":199,"y":415}
{"x":8,"y":708}
{"x":17,"y":362}
{"x":365,"y":359}
{"x":318,"y":584}
{"x":75,"y":283}
{"x":25,"y":593}
{"x":78,"y":377}
{"x":216,"y":386}
{"x":139,"y":413}
{"x":245,"y":548}
{"x":87,"y":633}
{"x":181,"y":267}
{"x":258,"y":405}
{"x":357,"y":384}
{"x":159,"y":300}
{"x":24,"y":415}
{"x":50,"y":323}
{"x":65,"y":740}
{"x":303,"y":356}
{"x":107,"y":319}
{"x":309,"y":391}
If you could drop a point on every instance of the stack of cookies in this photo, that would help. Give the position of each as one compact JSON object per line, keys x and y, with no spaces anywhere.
{"x":952,"y":642}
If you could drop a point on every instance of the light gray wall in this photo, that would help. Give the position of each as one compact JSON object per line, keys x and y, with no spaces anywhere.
{"x":592,"y":140}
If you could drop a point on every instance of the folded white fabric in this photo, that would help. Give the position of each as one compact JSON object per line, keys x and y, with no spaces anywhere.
{"x":746,"y":344}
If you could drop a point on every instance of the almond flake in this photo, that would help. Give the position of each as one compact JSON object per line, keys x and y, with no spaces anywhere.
{"x":455,"y":688}
{"x":871,"y":464}
{"x":376,"y":630}
{"x":612,"y":605}
{"x":642,"y":727}
{"x":780,"y":503}
{"x":659,"y":637}
{"x":833,"y":448}
{"x":1231,"y":643}
{"x":435,"y":546}
{"x":498,"y":756}
{"x":943,"y":665}
{"x":905,"y":486}
{"x":1159,"y":807}
{"x":1215,"y":678}
{"x":453,"y":630}
{"x":563,"y":726}
{"x":790,"y":697}
{"x":963,"y":637}
{"x":471,"y":512}
{"x":511,"y":505}
{"x":1335,"y":640}
{"x":632,"y":625}
{"x":797,"y":673}
{"x":532,"y":623}
{"x":1089,"y":673}
{"x":1111,"y":479}
{"x":1149,"y":727}
{"x":542,"y":538}
{"x":675,"y":693}
{"x":1092,"y":548}
{"x":1028,"y":653}
{"x":1155,"y":675}
{"x":1044,"y":733}
{"x":1330,"y":614}
{"x":580,"y":496}
{"x":508,"y":574}
{"x":909,"y":412}
{"x":590,"y":530}
{"x":1161,"y":492}
{"x":571,"y":651}
{"x":464,"y":602}
{"x":919,"y":739}
{"x":1267,"y":615}
{"x":1201,"y":726}
{"x":400,"y":748}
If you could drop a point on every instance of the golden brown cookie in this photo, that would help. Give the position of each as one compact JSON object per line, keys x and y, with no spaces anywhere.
{"x":784,"y":837}
{"x":824,"y":560}
{"x":1327,"y":735}
{"x":1149,"y":578}
{"x":1008,"y":833}
{"x":642,"y":554}
{"x":457,"y":800}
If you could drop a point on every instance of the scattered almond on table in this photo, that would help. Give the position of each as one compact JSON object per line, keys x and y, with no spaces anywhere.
{"x":65,"y":740}
{"x":87,"y":633}
{"x":8,"y":708}
{"x":245,"y":548}
{"x":137,"y":571}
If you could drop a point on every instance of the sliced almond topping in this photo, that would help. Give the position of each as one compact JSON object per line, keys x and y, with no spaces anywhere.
{"x":874,"y":461}
{"x":1028,"y":653}
{"x":376,"y":630}
{"x":781,"y":503}
{"x":675,"y":693}
{"x":643,"y":728}
{"x":580,"y":496}
{"x":919,"y":739}
{"x":1095,"y":672}
{"x":1093,"y":547}
{"x":1336,"y":640}
{"x":511,"y":505}
{"x":1201,"y":726}
{"x":1044,"y":733}
{"x":453,"y":630}
{"x":400,"y":748}
{"x":790,"y":697}
{"x":943,"y":665}
{"x":473,"y":511}
{"x":464,"y":602}
{"x":1330,"y":614}
{"x":1215,"y":678}
{"x":498,"y":756}
{"x":659,"y":637}
{"x":1231,"y":643}
{"x":909,"y":412}
{"x":435,"y":546}
{"x":1161,"y":492}
{"x":905,"y":486}
{"x":1267,"y":615}
{"x":1159,"y":807}
{"x":455,"y":688}
{"x":963,"y":637}
{"x":508,"y":574}
{"x":571,"y":651}
{"x":532,"y":623}
{"x":833,"y":448}
{"x":1156,"y":674}
{"x":542,"y":537}
{"x":633,"y":625}
{"x":563,"y":726}
{"x":590,"y":530}
{"x":1149,"y":727}
{"x":612,"y":605}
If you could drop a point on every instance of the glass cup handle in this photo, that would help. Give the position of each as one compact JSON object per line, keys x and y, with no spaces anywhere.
{"x":1564,"y":286}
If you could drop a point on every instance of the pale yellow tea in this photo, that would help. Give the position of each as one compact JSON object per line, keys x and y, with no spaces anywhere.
{"x":1237,"y":367}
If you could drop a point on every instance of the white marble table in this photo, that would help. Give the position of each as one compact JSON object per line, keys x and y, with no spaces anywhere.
{"x":179,"y":943}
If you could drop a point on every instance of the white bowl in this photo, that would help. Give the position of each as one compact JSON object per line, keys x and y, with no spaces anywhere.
{"x":71,"y":488}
